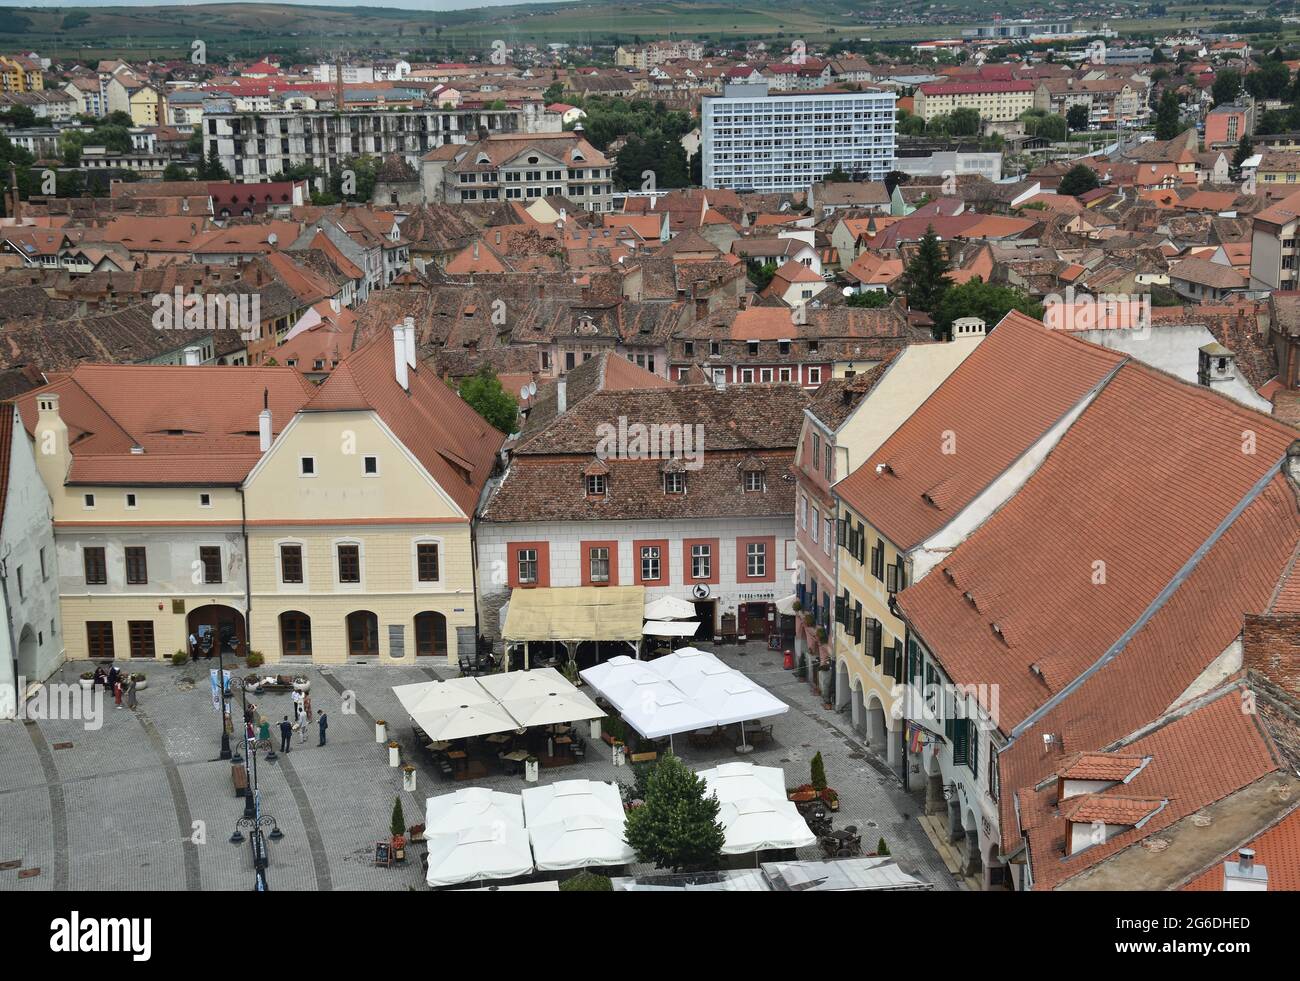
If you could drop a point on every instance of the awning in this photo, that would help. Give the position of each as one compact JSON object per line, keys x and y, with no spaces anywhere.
{"x":785,"y":605}
{"x":493,"y":851}
{"x":575,"y":613}
{"x":666,"y":628}
{"x":759,"y":823}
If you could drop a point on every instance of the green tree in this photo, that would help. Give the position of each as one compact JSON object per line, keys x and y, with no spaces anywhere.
{"x":1226,"y":87}
{"x":836,"y":176}
{"x":818,"y":773}
{"x":1269,"y":81}
{"x":554,"y":92}
{"x":1079,"y":179}
{"x":760,"y":276}
{"x":1168,"y":117}
{"x":871,"y":299}
{"x":397,"y":824}
{"x":176,"y":172}
{"x":987,"y":301}
{"x":1051,"y":128}
{"x":925,"y":279}
{"x":1245,"y":150}
{"x":483,"y":393}
{"x":1077,"y":117}
{"x":964,"y":122}
{"x":677,"y":827}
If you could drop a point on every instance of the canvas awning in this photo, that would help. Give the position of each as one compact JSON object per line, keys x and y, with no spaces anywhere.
{"x":668,"y":628}
{"x":454,"y":709}
{"x":785,"y":605}
{"x":575,"y":613}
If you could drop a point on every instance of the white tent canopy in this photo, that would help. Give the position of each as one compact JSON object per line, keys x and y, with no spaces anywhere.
{"x":471,"y":807}
{"x":580,"y":841}
{"x":669,"y":608}
{"x":554,"y":802}
{"x":455,"y":709}
{"x":540,"y":697}
{"x":493,"y":851}
{"x":683,"y":691}
{"x":669,"y":628}
{"x":739,"y":781}
{"x":757,"y":823}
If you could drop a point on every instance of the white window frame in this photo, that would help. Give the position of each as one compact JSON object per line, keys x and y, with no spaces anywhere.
{"x":803,"y":511}
{"x":292,"y":587}
{"x":302,"y":471}
{"x":348,"y":587}
{"x":130,"y":501}
{"x":434,"y":584}
{"x":208,"y":495}
{"x":609,"y":564}
{"x":706,"y":556}
{"x":657,"y":559}
{"x":751,"y":555}
{"x":87,"y":502}
{"x":364,"y":458}
{"x":815,"y":525}
{"x":536,"y":563}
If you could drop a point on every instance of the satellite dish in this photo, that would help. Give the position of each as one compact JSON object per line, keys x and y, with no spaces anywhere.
{"x":847,"y":291}
{"x":532,"y":388}
{"x":272,"y":239}
{"x":523,"y":392}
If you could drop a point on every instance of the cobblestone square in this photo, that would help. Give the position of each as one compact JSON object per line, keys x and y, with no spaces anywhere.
{"x":144,"y":803}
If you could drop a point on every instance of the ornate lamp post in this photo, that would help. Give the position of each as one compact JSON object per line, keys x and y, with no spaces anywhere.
{"x":253,"y":819}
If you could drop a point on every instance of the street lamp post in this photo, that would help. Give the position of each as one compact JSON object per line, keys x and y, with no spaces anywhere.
{"x":253,"y":819}
{"x":221,"y":687}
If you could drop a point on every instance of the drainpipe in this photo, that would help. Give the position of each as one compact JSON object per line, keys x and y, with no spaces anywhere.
{"x":9,"y":620}
{"x":473,"y":574}
{"x":248,"y":574}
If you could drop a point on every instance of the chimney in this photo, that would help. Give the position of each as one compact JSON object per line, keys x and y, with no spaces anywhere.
{"x":193,"y":356}
{"x":1215,"y":366}
{"x":1244,"y":875}
{"x":1292,"y":465}
{"x":264,"y":430}
{"x":408,"y":333}
{"x":53,"y":458}
{"x":561,"y":395}
{"x":399,"y":356}
{"x":16,"y":211}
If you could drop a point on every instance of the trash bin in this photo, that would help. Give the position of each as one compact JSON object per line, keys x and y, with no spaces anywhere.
{"x":530,"y":769}
{"x":789,"y":661}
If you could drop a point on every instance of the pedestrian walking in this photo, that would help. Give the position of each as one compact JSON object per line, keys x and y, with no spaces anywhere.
{"x":286,"y":734}
{"x":306,"y":707}
{"x":323,"y":721}
{"x":304,"y":721}
{"x":130,"y":693}
{"x":264,"y":731}
{"x":113,"y":674}
{"x":117,"y":693}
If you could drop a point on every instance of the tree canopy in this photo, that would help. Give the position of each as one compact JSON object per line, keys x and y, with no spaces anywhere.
{"x":987,"y":301}
{"x":677,"y":827}
{"x":925,"y":278}
{"x":483,"y":393}
{"x":1079,"y":179}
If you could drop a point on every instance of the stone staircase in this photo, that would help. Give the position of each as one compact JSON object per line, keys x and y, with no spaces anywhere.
{"x":936,"y":829}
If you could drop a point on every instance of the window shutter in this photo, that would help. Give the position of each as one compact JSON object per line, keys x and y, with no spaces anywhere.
{"x":900,"y":663}
{"x":861,"y":554}
{"x":857,"y":622}
{"x":841,"y":528}
{"x":877,"y":641}
{"x":839,"y":609}
{"x":960,"y":742}
{"x":973,"y":741}
{"x":889,"y":661}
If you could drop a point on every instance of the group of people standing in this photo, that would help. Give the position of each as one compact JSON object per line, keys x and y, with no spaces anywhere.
{"x":302,"y":720}
{"x":121,"y":685}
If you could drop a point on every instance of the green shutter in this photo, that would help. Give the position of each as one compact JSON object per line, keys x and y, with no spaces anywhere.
{"x":960,"y":742}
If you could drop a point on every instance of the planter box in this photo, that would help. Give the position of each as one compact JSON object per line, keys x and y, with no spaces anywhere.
{"x":803,"y":796}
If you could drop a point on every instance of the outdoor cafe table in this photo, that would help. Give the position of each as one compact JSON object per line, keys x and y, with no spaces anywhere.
{"x":439,"y":745}
{"x":497,"y":737}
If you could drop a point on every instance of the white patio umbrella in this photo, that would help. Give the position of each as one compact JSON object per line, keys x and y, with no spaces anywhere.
{"x":669,"y":608}
{"x":757,"y":823}
{"x":734,"y":698}
{"x":471,"y":807}
{"x":540,"y":697}
{"x":690,"y":676}
{"x":739,"y":781}
{"x":569,"y":798}
{"x":523,"y":684}
{"x":497,"y":851}
{"x":437,"y":696}
{"x":579,"y":841}
{"x":684,"y":663}
{"x":663,"y":711}
{"x":608,"y":675}
{"x":464,"y":721}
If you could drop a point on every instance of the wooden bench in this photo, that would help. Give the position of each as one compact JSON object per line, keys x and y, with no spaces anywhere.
{"x":239,"y":777}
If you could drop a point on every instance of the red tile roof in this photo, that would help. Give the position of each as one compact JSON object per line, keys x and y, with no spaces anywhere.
{"x":1019,"y":382}
{"x":1099,"y":766}
{"x":1277,"y":850}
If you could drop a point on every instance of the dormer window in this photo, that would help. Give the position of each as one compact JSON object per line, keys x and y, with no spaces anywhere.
{"x":675,"y":483}
{"x":597,"y":485}
{"x":753,"y":481}
{"x":753,"y":347}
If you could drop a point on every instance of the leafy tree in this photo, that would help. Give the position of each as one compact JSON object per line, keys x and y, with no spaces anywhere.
{"x":587,"y":882}
{"x":1051,"y":128}
{"x":363,"y":170}
{"x":483,"y":393}
{"x":20,"y":116}
{"x":911,"y":126}
{"x":677,"y":827}
{"x":964,"y":122}
{"x":818,"y":773}
{"x":894,"y":178}
{"x":1168,"y":118}
{"x":176,"y":172}
{"x":212,"y":169}
{"x":836,"y":176}
{"x":870,"y":299}
{"x":397,"y":824}
{"x":1269,"y":81}
{"x":987,"y":301}
{"x":925,"y":279}
{"x":1077,"y":117}
{"x":554,"y":92}
{"x":1079,"y":179}
{"x":762,"y":275}
{"x":881,"y":847}
{"x":1245,"y":150}
{"x":1227,"y":85}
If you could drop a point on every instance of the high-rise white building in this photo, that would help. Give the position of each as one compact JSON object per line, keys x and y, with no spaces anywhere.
{"x":753,"y":141}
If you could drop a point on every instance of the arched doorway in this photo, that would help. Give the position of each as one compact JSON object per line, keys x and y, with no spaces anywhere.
{"x":430,"y":634}
{"x":363,"y":634}
{"x":214,"y":625}
{"x":295,"y":634}
{"x":877,"y":731}
{"x":973,"y":863}
{"x":841,"y":685}
{"x":27,"y":655}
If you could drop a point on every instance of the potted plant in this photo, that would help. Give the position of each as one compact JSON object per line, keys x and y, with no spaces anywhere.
{"x":408,"y":778}
{"x":797,"y":606}
{"x":88,"y":680}
{"x":301,"y":683}
{"x":801,"y":668}
{"x":415,"y":833}
{"x":397,"y":828}
{"x":141,"y":682}
{"x":179,"y":657}
{"x":381,"y":731}
{"x":530,"y":769}
{"x":881,"y":847}
{"x":255,"y":659}
{"x":831,"y":798}
{"x":809,"y":620}
{"x":394,"y":753}
{"x":817,"y":773}
{"x":821,"y":635}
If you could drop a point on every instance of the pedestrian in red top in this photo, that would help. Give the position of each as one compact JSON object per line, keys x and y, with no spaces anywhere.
{"x":117,"y":693}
